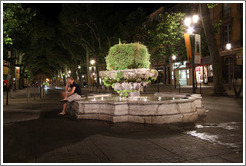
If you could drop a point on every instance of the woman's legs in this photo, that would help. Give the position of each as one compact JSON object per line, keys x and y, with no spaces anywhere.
{"x":64,"y":109}
{"x":64,"y":95}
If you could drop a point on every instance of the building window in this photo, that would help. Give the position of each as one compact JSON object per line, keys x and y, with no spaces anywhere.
{"x":227,"y":33}
{"x":226,"y":9}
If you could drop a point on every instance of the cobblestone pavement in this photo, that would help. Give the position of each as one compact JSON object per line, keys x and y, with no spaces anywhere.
{"x":45,"y":137}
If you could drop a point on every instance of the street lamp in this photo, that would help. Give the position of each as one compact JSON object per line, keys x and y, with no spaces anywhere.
{"x":190,"y":29}
{"x":174,"y":57}
{"x":228,"y":46}
{"x":195,"y":18}
{"x":187,"y":21}
{"x":92,"y":62}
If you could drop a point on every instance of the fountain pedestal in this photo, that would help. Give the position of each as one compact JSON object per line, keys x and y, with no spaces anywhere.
{"x":129,"y":82}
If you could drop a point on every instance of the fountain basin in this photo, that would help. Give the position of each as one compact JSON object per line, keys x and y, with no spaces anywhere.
{"x":175,"y":108}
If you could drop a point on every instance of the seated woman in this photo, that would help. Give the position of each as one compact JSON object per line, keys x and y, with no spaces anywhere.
{"x":68,"y":96}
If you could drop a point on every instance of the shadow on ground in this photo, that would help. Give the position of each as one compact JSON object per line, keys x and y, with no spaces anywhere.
{"x":37,"y":137}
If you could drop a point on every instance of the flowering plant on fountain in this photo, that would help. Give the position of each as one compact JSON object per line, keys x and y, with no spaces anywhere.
{"x":128,"y":69}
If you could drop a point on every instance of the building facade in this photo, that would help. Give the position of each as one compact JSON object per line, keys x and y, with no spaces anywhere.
{"x":230,"y":34}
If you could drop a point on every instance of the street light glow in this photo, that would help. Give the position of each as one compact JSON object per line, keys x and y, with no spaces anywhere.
{"x":92,"y":62}
{"x":228,"y":46}
{"x":79,"y":67}
{"x":187,"y":21}
{"x":174,"y":57}
{"x":190,"y":30}
{"x":195,"y":18}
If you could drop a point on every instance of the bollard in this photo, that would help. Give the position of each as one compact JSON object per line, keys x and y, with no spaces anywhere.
{"x":27,"y":95}
{"x":40,"y":92}
{"x":34,"y":93}
{"x":43,"y":92}
{"x":7,"y":97}
{"x":200,"y":88}
{"x":179,"y":87}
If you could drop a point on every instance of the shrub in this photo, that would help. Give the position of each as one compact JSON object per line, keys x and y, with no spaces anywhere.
{"x":128,"y":56}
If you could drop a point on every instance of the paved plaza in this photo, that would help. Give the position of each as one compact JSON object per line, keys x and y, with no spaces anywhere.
{"x":34,"y":133}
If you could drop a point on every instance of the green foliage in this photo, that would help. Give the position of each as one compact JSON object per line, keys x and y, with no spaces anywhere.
{"x":128,"y":56}
{"x":108,"y":81}
{"x":15,"y":20}
{"x":165,"y":37}
{"x":111,"y":81}
{"x":125,"y":93}
{"x":211,"y":5}
{"x":217,"y":26}
{"x":119,"y":77}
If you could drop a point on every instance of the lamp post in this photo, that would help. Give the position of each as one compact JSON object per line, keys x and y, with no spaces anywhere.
{"x":190,"y":22}
{"x":80,"y":76}
{"x":92,"y":62}
{"x":174,"y":57}
{"x":228,"y":47}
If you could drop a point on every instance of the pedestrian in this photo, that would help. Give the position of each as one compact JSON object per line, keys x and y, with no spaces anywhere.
{"x":72,"y":92}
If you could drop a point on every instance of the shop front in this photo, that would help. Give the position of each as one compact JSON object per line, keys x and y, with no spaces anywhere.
{"x":204,"y":74}
{"x":182,"y":72}
{"x":5,"y":69}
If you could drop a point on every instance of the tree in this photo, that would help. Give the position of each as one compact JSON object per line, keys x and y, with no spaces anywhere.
{"x":213,"y":49}
{"x":15,"y":27}
{"x":167,"y":37}
{"x":88,"y":29}
{"x":131,"y":27}
{"x":164,"y":38}
{"x":15,"y":19}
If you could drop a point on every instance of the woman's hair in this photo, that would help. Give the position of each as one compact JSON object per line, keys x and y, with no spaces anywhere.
{"x":71,"y":78}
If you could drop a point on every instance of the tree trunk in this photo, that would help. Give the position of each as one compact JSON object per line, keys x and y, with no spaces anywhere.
{"x":87,"y":67}
{"x":97,"y":71}
{"x":21,"y":82}
{"x":9,"y":71}
{"x":74,"y":68}
{"x":80,"y":78}
{"x":219,"y":89}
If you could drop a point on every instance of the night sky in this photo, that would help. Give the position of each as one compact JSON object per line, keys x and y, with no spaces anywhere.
{"x":52,"y":10}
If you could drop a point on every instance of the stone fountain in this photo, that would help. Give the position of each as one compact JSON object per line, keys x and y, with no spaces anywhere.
{"x":128,"y":72}
{"x":131,"y":88}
